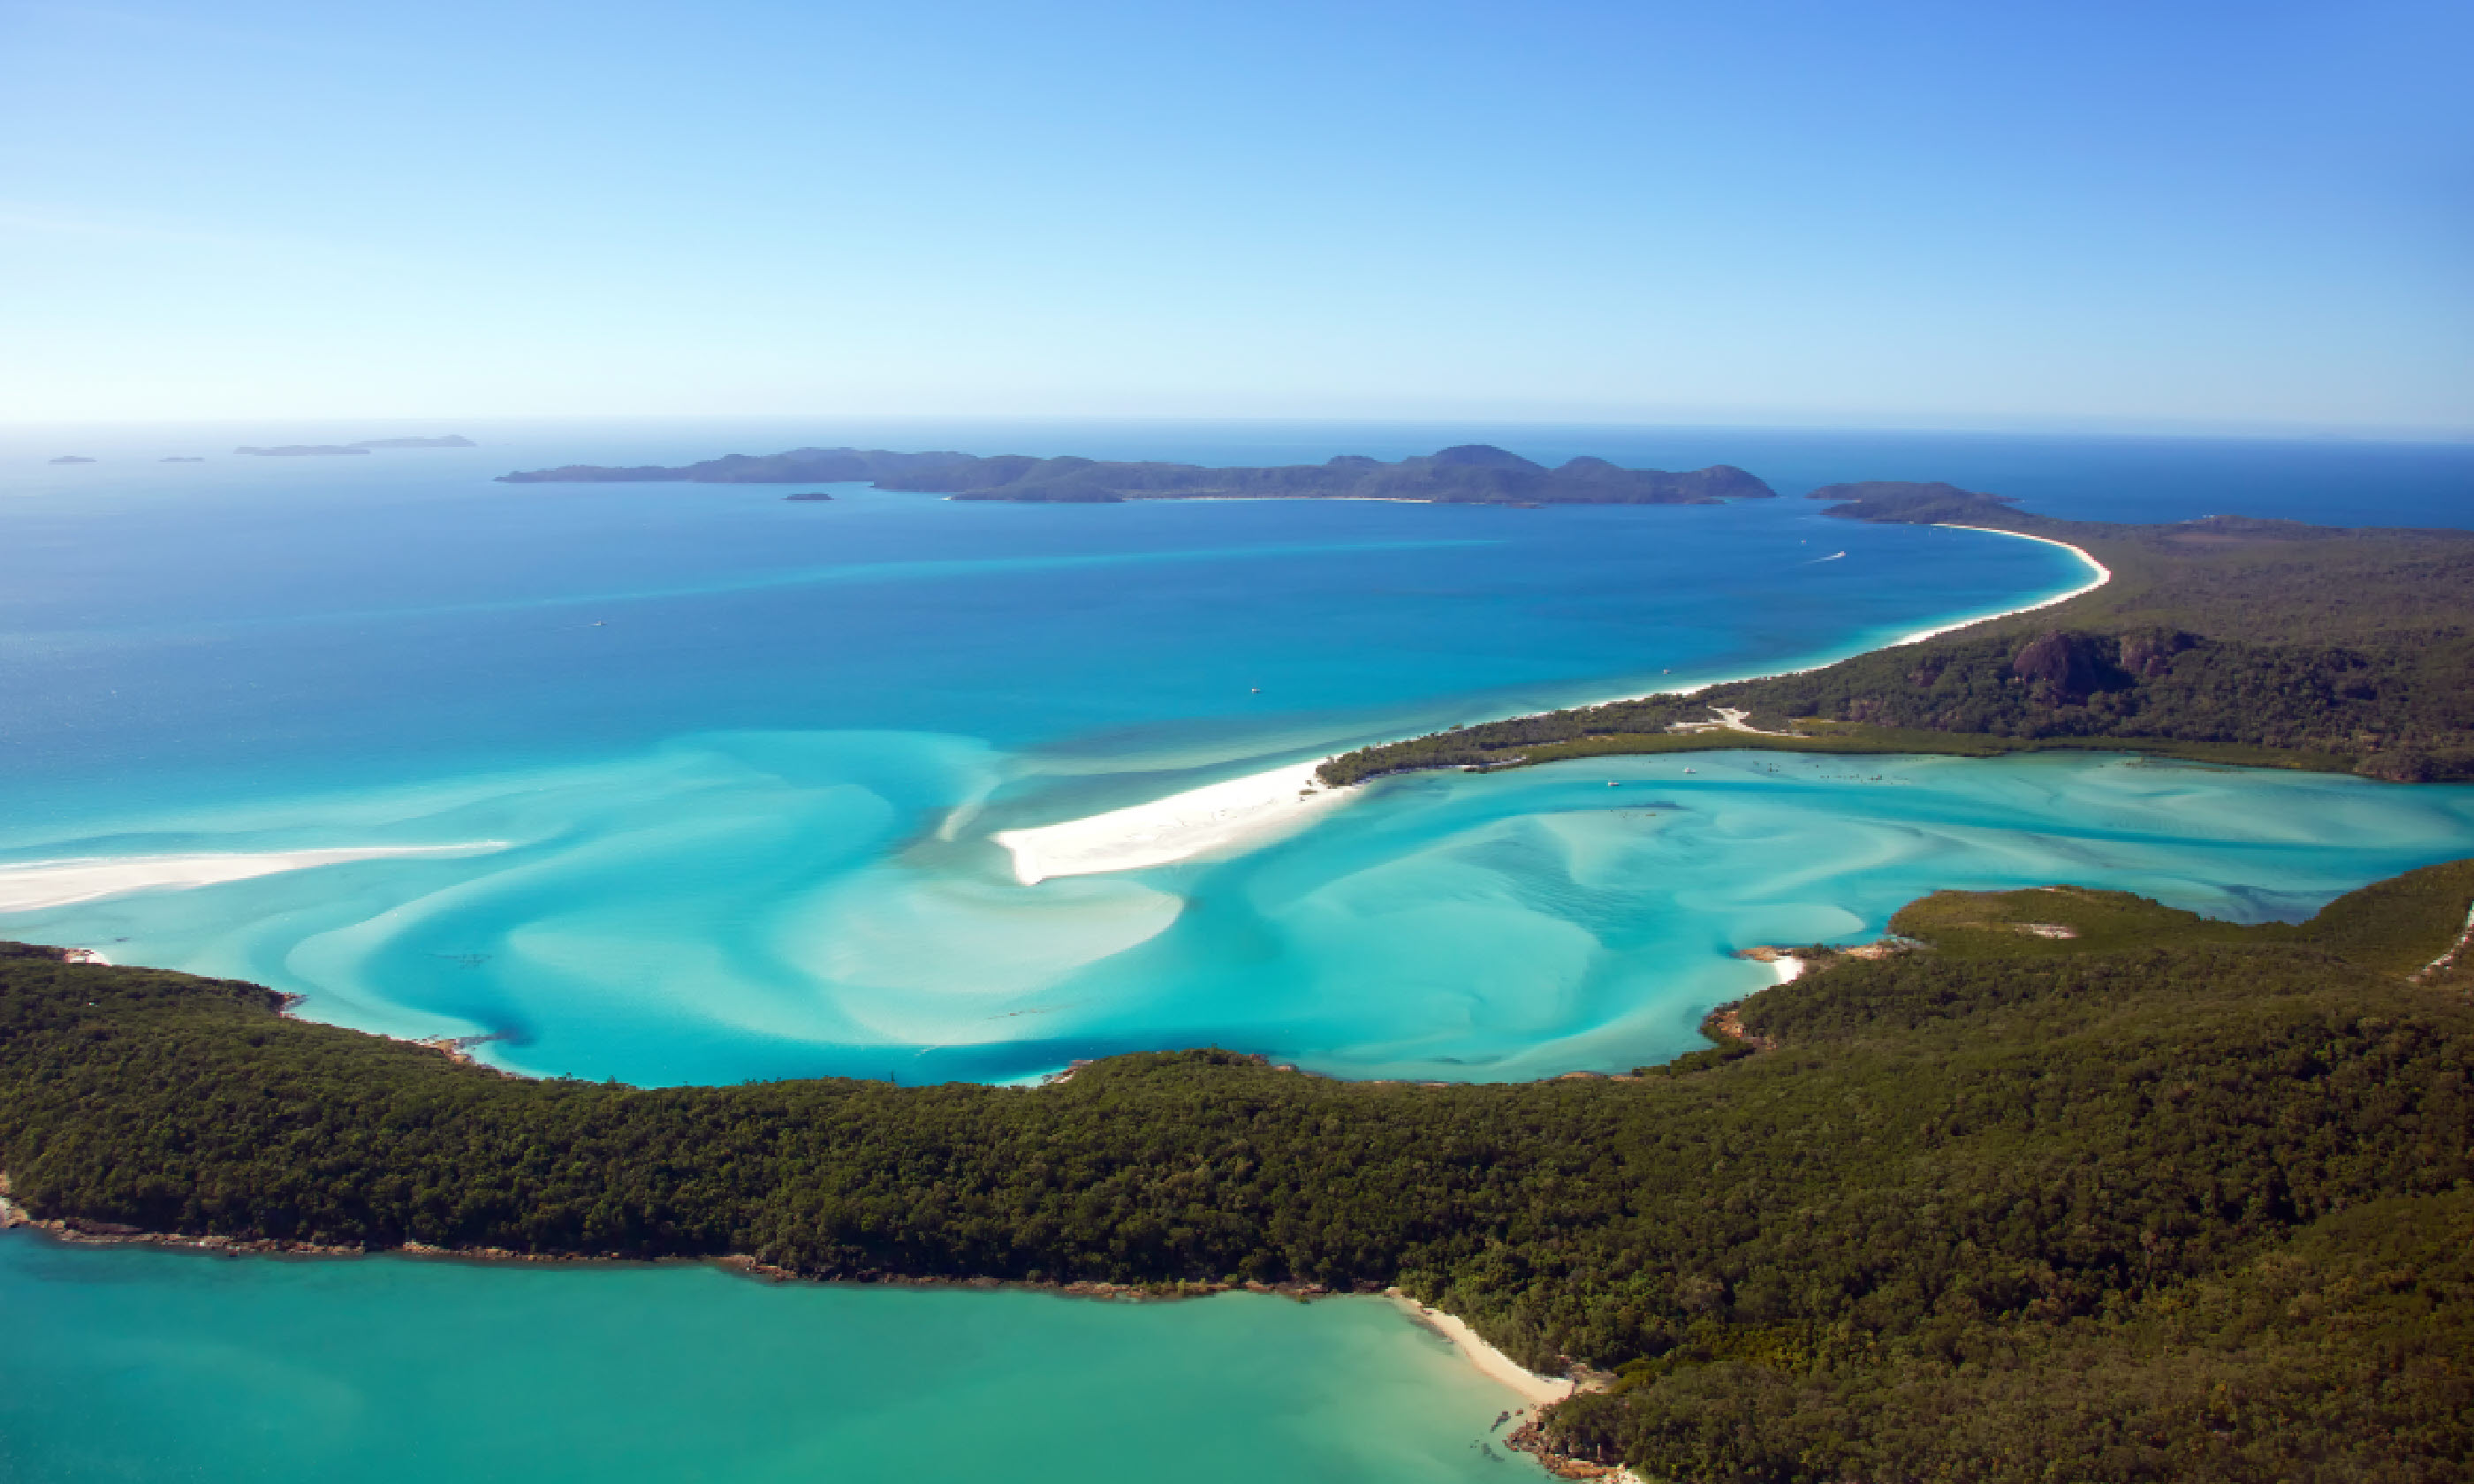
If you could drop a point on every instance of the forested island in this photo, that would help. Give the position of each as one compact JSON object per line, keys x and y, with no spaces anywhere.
{"x":2073,"y":1186}
{"x":362,"y":447}
{"x":1471,"y":473}
{"x":2227,"y":639}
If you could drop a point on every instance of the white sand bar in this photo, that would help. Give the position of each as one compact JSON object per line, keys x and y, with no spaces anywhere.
{"x":1533,"y":1388}
{"x":57,"y":883}
{"x":1218,"y":816}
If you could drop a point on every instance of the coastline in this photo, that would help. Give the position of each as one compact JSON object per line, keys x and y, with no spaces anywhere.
{"x":1253,"y":810}
{"x":1531,"y":1387}
{"x":1536,"y":1393}
{"x":32,"y":886}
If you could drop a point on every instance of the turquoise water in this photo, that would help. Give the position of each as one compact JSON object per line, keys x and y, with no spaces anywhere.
{"x":737,"y":761}
{"x":756,"y":905}
{"x":132,"y":1364}
{"x":738,"y":758}
{"x":745,"y":753}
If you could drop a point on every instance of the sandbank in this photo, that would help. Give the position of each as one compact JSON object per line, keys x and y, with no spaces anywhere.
{"x":1254,"y":809}
{"x":1533,"y":1388}
{"x":1217,"y":816}
{"x":58,"y":883}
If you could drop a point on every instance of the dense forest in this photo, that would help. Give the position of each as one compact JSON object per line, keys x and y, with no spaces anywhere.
{"x":2084,"y":1187}
{"x":2251,"y":641}
{"x":1470,"y":474}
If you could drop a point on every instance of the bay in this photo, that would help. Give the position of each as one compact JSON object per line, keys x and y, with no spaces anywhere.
{"x":138,"y":1363}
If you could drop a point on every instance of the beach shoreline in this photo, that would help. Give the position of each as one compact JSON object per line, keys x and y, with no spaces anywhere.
{"x":1253,"y":810}
{"x":33,"y":886}
{"x":1528,"y":1385}
{"x":1248,"y":810}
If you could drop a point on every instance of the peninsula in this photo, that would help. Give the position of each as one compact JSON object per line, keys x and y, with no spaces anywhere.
{"x":2068,"y":1185}
{"x":2225,"y":639}
{"x":1470,"y":474}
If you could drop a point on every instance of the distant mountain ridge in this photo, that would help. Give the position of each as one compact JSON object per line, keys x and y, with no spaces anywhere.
{"x":1470,"y":474}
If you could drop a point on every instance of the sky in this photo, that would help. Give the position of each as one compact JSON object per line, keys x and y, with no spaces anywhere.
{"x":2174,"y":214}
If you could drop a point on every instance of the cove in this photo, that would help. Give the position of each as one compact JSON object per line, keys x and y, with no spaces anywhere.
{"x":129,"y":1363}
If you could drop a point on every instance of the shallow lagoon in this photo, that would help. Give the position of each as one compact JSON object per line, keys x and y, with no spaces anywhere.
{"x":734,"y":760}
{"x":131,"y":1363}
{"x":767,"y":905}
{"x":737,"y":758}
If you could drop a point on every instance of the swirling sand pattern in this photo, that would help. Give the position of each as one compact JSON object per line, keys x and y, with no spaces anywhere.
{"x":758,"y":905}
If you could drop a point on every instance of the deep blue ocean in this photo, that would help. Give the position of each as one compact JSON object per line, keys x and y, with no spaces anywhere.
{"x":715,"y":775}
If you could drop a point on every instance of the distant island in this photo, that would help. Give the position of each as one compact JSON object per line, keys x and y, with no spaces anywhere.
{"x":812,"y":495}
{"x":328,"y":450}
{"x":72,"y":458}
{"x":181,"y":458}
{"x":1468,"y":474}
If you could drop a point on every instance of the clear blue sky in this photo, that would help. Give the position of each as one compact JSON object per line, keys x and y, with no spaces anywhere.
{"x":2157,"y":213}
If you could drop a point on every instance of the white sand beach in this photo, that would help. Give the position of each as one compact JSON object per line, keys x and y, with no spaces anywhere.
{"x":1240,"y":811}
{"x":1260,"y":808}
{"x":2100,"y":575}
{"x":57,"y":883}
{"x":1533,"y":1388}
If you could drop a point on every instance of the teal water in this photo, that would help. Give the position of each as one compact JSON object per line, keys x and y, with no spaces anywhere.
{"x":754,"y":905}
{"x":132,"y":1364}
{"x":740,"y":757}
{"x":738,"y":760}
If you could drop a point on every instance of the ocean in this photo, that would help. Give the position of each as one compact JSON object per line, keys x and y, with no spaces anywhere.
{"x":719,"y":773}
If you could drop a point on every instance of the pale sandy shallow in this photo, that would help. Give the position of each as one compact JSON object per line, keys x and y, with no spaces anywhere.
{"x":1260,"y":808}
{"x":1531,"y":1387}
{"x":57,"y":883}
{"x":1239,"y":811}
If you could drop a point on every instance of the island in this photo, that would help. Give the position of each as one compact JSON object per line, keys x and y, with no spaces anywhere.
{"x":72,"y":458}
{"x":812,"y":494}
{"x":2224,"y":639}
{"x":2055,"y":1184}
{"x":1470,"y":474}
{"x":364,"y":446}
{"x":180,"y":458}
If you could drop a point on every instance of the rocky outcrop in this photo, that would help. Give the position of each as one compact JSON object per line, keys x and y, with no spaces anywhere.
{"x":1530,"y":1438}
{"x":2065,"y":669}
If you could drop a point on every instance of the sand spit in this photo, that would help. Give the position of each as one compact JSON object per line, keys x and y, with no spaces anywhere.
{"x":57,"y":883}
{"x":1247,"y":811}
{"x":1244,"y":812}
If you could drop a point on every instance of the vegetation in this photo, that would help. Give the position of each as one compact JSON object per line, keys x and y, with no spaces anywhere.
{"x":2162,"y":1199}
{"x":2230,"y":641}
{"x":1471,"y":473}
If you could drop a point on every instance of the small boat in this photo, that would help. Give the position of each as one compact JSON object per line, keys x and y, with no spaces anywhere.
{"x":1612,"y":783}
